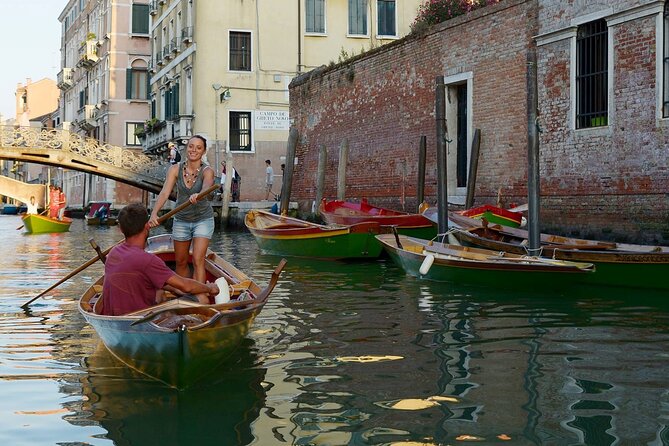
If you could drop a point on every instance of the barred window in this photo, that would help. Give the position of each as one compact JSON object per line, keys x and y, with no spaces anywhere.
{"x":665,"y":66}
{"x":240,"y":131}
{"x":592,"y":75}
{"x":240,"y":51}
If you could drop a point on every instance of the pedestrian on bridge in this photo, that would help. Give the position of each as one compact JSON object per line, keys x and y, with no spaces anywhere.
{"x":195,"y":224}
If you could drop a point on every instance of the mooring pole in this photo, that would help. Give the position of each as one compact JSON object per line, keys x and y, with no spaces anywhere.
{"x":287,"y":179}
{"x":442,"y":187}
{"x":341,"y":171}
{"x":533,"y":189}
{"x":422,"y":156}
{"x":320,"y":176}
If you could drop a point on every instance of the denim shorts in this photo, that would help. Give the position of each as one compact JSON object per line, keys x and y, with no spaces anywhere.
{"x":183,"y":231}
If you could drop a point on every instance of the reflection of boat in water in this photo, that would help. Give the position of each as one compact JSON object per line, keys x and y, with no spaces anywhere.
{"x":135,"y":410}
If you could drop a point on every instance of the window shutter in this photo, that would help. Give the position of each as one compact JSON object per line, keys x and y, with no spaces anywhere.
{"x":175,"y":96}
{"x":128,"y":83}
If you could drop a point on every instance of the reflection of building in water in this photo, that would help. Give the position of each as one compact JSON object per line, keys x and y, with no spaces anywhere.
{"x":138,"y":411}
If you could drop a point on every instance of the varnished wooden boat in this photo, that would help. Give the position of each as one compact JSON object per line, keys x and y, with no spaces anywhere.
{"x":282,"y":235}
{"x":179,"y":341}
{"x":617,"y":264}
{"x":495,"y":214}
{"x":349,"y":213}
{"x":40,"y":224}
{"x":474,"y":266}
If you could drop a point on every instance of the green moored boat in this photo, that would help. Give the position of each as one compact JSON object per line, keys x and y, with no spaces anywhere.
{"x":473,"y":266}
{"x":40,"y":224}
{"x":288,"y":236}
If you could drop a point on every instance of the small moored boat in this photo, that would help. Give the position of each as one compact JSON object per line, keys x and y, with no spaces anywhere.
{"x":618,"y":264}
{"x":282,"y":235}
{"x":40,"y":224}
{"x":460,"y":264}
{"x":495,"y":214}
{"x":99,"y":214}
{"x":349,"y":213}
{"x":180,"y":341}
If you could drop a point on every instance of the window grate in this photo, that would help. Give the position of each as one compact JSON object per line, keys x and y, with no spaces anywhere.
{"x":240,"y":131}
{"x":240,"y":51}
{"x":592,"y":75}
{"x":665,"y":67}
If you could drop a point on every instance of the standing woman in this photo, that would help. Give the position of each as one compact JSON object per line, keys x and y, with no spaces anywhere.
{"x":196,"y":222}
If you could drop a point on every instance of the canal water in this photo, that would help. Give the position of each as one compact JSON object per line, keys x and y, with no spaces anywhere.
{"x":343,"y":354}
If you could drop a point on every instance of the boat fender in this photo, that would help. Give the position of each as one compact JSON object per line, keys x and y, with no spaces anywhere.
{"x":427,"y":263}
{"x":223,"y":295}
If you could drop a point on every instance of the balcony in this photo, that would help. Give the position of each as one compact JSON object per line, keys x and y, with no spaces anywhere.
{"x":65,"y":78}
{"x":87,"y":117}
{"x":167,"y":52}
{"x":174,"y":45}
{"x":187,"y":34}
{"x":88,"y":54}
{"x":157,"y":135}
{"x":153,"y":7}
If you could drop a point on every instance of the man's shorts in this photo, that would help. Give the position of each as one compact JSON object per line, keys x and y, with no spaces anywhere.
{"x":183,"y":231}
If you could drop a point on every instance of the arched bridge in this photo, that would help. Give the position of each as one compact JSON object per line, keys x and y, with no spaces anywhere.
{"x":62,"y":148}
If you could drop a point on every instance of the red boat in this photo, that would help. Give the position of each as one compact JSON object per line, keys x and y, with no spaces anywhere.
{"x":495,"y":215}
{"x":349,"y":213}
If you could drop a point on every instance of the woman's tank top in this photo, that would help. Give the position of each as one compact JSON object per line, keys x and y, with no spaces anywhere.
{"x":200,"y":210}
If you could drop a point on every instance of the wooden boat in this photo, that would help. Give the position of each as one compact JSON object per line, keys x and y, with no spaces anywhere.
{"x":93,"y":216}
{"x":179,"y":341}
{"x":495,"y":215}
{"x":39,"y":224}
{"x":281,"y":235}
{"x":474,"y":266}
{"x":9,"y":209}
{"x":348,"y":213}
{"x":618,"y":264}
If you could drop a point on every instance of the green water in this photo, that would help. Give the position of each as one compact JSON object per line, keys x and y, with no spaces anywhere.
{"x":337,"y":346}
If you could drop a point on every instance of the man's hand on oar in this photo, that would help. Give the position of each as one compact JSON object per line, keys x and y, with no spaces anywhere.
{"x":161,"y":220}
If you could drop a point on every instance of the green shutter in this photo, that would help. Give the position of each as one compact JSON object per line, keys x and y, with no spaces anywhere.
{"x":175,"y":93}
{"x":128,"y":83}
{"x":140,"y":19}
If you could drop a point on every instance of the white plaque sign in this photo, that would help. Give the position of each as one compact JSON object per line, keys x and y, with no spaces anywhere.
{"x":271,"y":120}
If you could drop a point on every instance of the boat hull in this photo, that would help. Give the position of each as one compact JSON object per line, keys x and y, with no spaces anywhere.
{"x":348,"y":213}
{"x":286,"y":236}
{"x":512,"y":273}
{"x":95,"y":221}
{"x":495,"y":215}
{"x":618,"y":265}
{"x":40,"y":224}
{"x":175,"y":351}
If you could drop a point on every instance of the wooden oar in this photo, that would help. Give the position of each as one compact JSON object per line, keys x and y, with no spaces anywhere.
{"x":41,"y":213}
{"x":162,"y":219}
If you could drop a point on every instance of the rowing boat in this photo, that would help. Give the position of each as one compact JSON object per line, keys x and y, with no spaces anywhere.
{"x":99,"y":214}
{"x":180,"y":341}
{"x":349,"y":213}
{"x":617,"y":264}
{"x":40,"y":224}
{"x":474,"y":266}
{"x":288,"y":236}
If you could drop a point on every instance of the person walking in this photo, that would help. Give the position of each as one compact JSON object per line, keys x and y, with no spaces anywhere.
{"x":269,"y":179}
{"x":194,"y":226}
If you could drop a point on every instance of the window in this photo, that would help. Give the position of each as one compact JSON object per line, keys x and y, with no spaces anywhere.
{"x":137,"y":82}
{"x":665,"y":69}
{"x":172,"y":102}
{"x":240,"y":51}
{"x":357,"y":17}
{"x":240,"y":131}
{"x":140,"y":18}
{"x":315,"y":16}
{"x":386,"y":12}
{"x":592,"y":75}
{"x":131,"y":128}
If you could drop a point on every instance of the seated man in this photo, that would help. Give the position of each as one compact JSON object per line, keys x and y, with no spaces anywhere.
{"x":134,"y":277}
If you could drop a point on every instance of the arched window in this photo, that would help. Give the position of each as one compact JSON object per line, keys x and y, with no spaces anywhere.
{"x":137,"y":80}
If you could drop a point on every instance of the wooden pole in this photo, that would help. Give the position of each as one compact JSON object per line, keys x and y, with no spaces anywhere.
{"x":225,"y":203}
{"x":341,"y":171}
{"x":442,"y":188}
{"x":533,"y":191}
{"x":473,"y":169}
{"x":422,"y":156}
{"x":287,"y":180}
{"x":320,"y":180}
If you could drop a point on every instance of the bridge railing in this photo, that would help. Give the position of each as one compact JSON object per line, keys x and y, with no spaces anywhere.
{"x":72,"y":143}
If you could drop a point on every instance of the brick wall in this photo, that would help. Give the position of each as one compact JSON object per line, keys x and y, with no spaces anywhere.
{"x":608,"y":184}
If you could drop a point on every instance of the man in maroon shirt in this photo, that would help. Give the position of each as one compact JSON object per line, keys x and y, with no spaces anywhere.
{"x":133,"y":276}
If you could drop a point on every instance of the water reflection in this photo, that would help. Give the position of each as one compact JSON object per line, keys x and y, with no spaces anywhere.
{"x":137,"y":411}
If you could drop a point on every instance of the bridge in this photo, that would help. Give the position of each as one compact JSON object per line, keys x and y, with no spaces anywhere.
{"x":61,"y":148}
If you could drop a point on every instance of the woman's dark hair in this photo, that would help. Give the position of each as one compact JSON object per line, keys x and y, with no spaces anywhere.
{"x":204,"y":141}
{"x":132,"y":219}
